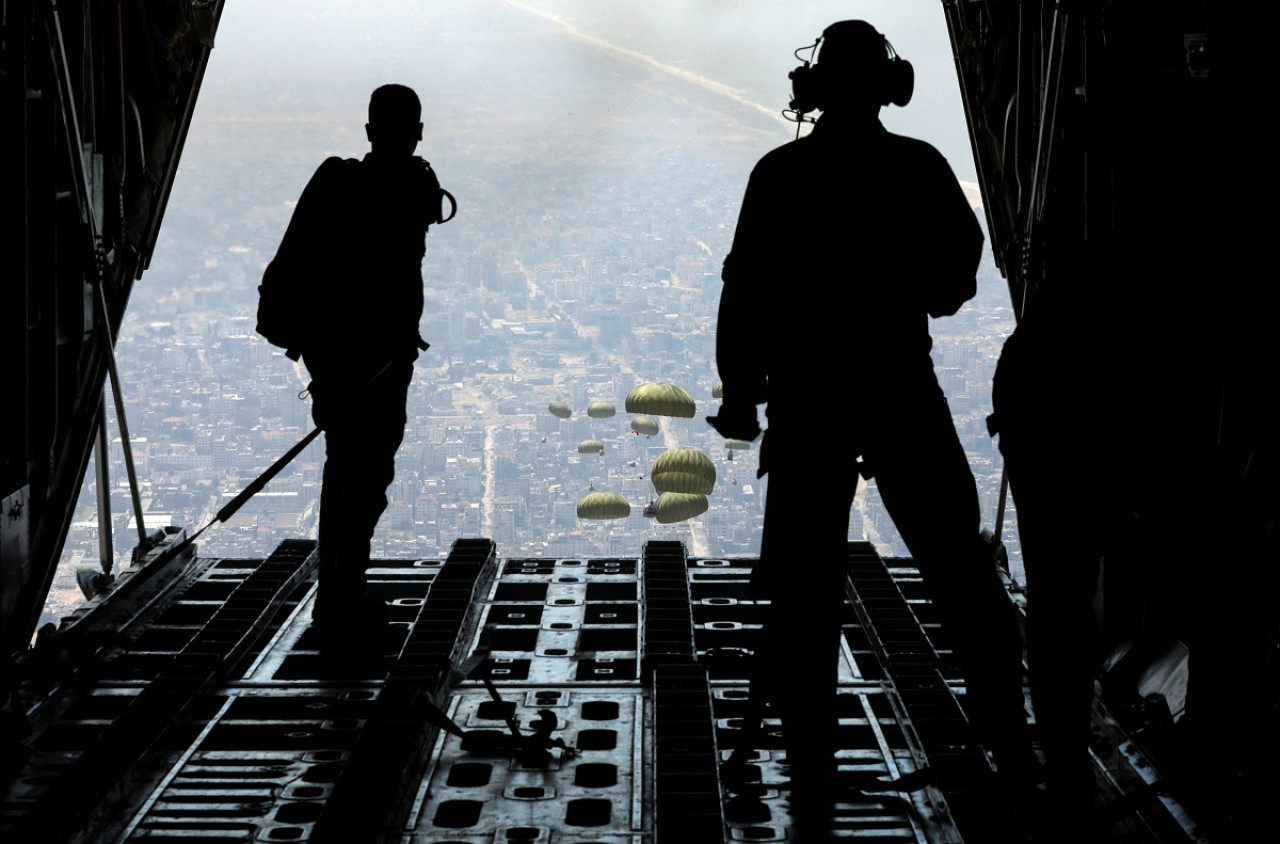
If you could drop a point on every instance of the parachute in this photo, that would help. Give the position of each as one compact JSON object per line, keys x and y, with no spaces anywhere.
{"x":717,"y":390}
{"x":645,"y":425}
{"x":684,"y":470}
{"x":661,"y":400}
{"x":678,"y":506}
{"x":603,"y":505}
{"x":601,"y":410}
{"x":685,"y":482}
{"x":560,"y":410}
{"x":591,"y":447}
{"x":684,"y":460}
{"x":737,"y":445}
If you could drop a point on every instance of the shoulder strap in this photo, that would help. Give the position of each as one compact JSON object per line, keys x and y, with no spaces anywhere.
{"x":441,"y":217}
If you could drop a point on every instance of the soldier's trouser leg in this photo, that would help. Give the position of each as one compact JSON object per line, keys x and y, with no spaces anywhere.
{"x":1061,"y":556}
{"x":363,"y":430}
{"x":923,"y":476}
{"x":802,"y":573}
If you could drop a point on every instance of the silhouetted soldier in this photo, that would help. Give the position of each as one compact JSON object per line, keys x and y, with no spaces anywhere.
{"x":1135,"y":405}
{"x":352,"y":259}
{"x":848,"y":240}
{"x":1063,"y":532}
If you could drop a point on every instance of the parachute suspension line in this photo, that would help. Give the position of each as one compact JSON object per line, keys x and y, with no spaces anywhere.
{"x":92,"y":215}
{"x":1000,"y":505}
{"x":106,"y":552}
{"x":108,"y":350}
{"x":1046,"y":120}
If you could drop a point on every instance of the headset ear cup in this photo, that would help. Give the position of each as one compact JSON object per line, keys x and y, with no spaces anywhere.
{"x":804,"y":88}
{"x":901,"y":78}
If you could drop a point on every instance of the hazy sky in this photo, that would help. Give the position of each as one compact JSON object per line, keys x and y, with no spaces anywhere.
{"x":744,"y":46}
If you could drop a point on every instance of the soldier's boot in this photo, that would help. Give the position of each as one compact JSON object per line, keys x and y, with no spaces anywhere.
{"x":349,"y":618}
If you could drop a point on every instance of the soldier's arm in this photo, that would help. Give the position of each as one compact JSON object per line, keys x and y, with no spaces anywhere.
{"x":956,"y":248}
{"x":740,"y":329}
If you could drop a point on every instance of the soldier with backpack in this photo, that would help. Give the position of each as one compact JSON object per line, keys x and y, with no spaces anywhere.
{"x":344,"y":294}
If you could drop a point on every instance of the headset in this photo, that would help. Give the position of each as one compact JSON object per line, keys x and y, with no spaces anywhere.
{"x":891,"y":78}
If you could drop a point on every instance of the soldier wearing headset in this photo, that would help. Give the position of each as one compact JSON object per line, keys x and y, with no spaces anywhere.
{"x":849,"y":239}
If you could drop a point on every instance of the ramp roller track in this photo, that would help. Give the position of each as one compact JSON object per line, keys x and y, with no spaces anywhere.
{"x":155,"y":717}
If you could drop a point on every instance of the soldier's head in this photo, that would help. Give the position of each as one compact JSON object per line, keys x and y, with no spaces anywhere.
{"x":856,"y":67}
{"x":395,"y":120}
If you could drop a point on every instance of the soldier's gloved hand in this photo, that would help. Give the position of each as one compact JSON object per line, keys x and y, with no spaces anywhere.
{"x":736,"y":421}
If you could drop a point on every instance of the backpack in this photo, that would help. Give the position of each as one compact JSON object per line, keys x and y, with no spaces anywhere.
{"x":287,"y":305}
{"x":280,"y":298}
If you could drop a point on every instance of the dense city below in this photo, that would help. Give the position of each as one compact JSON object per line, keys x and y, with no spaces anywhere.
{"x":583,"y":262}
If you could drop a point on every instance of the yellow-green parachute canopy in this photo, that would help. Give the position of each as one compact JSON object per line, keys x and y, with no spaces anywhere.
{"x":684,"y":470}
{"x":603,"y":505}
{"x":645,"y":425}
{"x":661,"y":400}
{"x":717,"y":390}
{"x":601,"y":410}
{"x":678,"y":506}
{"x":590,"y":447}
{"x":737,"y":445}
{"x":560,"y":410}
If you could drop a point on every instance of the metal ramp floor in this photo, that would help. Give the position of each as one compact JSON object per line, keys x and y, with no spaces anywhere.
{"x":574,"y":701}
